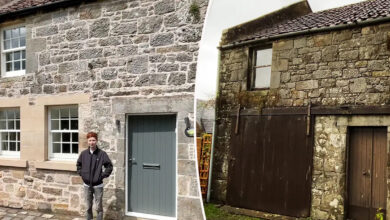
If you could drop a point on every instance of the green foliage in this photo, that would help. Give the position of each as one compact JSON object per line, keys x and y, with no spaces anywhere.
{"x":194,"y":11}
{"x":215,"y":213}
{"x":379,"y":214}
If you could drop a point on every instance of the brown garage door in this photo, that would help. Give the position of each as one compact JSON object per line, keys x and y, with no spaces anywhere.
{"x":367,"y":172}
{"x":270,"y":165}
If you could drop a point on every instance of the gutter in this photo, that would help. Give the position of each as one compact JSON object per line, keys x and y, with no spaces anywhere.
{"x":309,"y":31}
{"x":30,"y":10}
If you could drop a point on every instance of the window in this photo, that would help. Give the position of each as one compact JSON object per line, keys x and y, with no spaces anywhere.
{"x":10,"y":132}
{"x":63,"y":133}
{"x":261,"y":71}
{"x":13,"y":51}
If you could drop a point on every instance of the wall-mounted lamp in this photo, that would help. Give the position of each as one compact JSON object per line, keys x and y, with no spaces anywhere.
{"x":189,"y":132}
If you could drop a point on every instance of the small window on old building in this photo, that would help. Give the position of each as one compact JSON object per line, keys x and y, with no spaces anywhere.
{"x":261,"y":71}
{"x":13,"y":51}
{"x":10,"y":132}
{"x":63,"y":133}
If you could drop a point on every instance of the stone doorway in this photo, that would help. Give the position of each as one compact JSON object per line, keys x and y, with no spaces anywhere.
{"x":329,"y":189}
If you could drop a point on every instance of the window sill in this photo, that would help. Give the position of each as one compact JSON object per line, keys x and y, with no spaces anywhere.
{"x":9,"y":162}
{"x":56,"y":165}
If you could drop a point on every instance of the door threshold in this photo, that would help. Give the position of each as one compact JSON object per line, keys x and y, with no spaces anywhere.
{"x":149,"y":216}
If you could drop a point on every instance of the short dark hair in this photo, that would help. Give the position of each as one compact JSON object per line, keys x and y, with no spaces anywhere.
{"x":92,"y":134}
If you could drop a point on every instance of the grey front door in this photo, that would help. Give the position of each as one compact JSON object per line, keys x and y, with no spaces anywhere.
{"x":152,"y":164}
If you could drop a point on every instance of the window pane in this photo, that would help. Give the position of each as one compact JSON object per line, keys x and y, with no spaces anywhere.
{"x":17,"y":65}
{"x":7,"y":34}
{"x":12,"y":136}
{"x":75,"y":137}
{"x":18,"y":146}
{"x":23,"y":54}
{"x":15,"y":43}
{"x":17,"y":122}
{"x":55,"y":125}
{"x":56,"y":137}
{"x":22,"y":31}
{"x":65,"y":137}
{"x":15,"y":32}
{"x":11,"y":114}
{"x":74,"y":125}
{"x":56,"y":148}
{"x":64,"y":113}
{"x":18,"y":136}
{"x":75,"y":148}
{"x":264,"y":57}
{"x":8,"y":57}
{"x":4,"y":145}
{"x":66,"y":148}
{"x":263,"y":77}
{"x":73,"y":113}
{"x":4,"y":136}
{"x":64,"y":124}
{"x":22,"y":42}
{"x":23,"y":65}
{"x":11,"y":125}
{"x":3,"y":124}
{"x":9,"y":67}
{"x":7,"y":44}
{"x":55,"y":113}
{"x":12,"y":146}
{"x":17,"y":55}
{"x":17,"y":114}
{"x":3,"y":115}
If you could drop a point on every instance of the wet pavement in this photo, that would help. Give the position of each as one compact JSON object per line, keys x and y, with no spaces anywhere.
{"x":20,"y":214}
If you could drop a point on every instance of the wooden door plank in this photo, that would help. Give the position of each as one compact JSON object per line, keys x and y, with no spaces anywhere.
{"x":379,"y":191}
{"x":358,"y":194}
{"x":271,"y":164}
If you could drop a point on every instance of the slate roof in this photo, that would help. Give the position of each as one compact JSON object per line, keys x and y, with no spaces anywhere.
{"x":371,"y":9}
{"x":19,"y":5}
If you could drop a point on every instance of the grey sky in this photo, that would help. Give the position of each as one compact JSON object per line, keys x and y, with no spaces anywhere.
{"x":223,"y":14}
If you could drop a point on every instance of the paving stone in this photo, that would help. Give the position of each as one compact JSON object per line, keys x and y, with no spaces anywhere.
{"x":47,"y":216}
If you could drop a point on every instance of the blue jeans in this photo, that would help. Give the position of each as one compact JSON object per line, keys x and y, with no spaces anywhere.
{"x":90,"y":193}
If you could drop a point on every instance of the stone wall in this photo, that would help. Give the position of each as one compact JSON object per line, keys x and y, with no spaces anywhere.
{"x":133,"y":49}
{"x":329,"y":170}
{"x":344,"y":67}
{"x":59,"y":191}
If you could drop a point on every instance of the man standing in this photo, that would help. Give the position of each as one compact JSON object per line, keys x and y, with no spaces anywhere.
{"x":89,"y":167}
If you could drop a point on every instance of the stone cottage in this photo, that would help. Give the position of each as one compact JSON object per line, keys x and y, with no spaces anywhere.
{"x":122,"y":68}
{"x":303,"y":113}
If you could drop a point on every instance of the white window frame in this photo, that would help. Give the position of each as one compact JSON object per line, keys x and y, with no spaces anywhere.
{"x":4,"y":73}
{"x":8,"y":153}
{"x":62,"y":156}
{"x":254,"y":67}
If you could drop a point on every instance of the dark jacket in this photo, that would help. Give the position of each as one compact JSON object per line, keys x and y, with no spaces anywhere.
{"x":89,"y":166}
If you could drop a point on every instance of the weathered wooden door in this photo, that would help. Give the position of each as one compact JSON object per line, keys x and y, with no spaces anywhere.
{"x":367,"y":191}
{"x":270,"y":166}
{"x":152,"y":165}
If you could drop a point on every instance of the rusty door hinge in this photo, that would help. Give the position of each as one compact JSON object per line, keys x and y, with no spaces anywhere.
{"x":237,"y":119}
{"x":308,"y":119}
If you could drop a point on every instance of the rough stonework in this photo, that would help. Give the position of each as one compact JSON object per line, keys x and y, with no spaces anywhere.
{"x":335,"y":68}
{"x":329,"y":170}
{"x":132,"y":50}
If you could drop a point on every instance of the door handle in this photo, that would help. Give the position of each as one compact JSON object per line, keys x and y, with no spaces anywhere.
{"x":132,"y":161}
{"x":366,"y":173}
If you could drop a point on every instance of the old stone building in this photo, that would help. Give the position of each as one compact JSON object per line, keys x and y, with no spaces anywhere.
{"x":122,"y":68}
{"x":303,"y":113}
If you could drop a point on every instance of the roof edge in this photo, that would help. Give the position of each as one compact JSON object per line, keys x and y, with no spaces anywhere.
{"x":31,"y":10}
{"x":364,"y":23}
{"x":289,"y":12}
